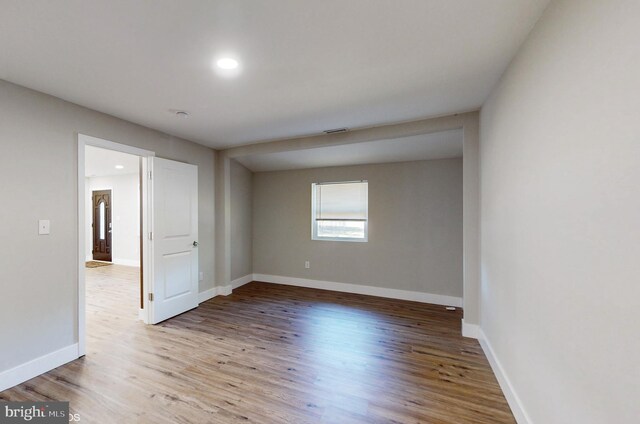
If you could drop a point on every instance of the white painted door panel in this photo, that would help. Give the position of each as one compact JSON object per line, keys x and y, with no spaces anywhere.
{"x":174,"y":187}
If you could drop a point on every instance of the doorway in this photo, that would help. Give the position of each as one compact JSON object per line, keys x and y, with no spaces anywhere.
{"x":101,"y":225}
{"x":113,"y":283}
{"x":113,"y":253}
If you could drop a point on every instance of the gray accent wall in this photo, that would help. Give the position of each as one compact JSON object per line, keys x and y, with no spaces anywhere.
{"x":415,"y":227}
{"x":560,"y":216}
{"x":38,"y":180}
{"x":241,"y":225}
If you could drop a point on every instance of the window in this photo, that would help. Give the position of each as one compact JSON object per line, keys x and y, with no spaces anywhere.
{"x":339,"y":211}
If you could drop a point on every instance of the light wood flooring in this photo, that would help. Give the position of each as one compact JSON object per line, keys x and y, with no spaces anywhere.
{"x":272,"y":354}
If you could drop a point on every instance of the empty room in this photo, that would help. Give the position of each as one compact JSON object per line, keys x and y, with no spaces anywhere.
{"x":285,"y":211}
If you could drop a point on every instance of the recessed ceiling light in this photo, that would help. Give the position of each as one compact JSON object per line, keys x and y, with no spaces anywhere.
{"x":227,"y":63}
{"x":119,"y":167}
{"x":182,"y":114}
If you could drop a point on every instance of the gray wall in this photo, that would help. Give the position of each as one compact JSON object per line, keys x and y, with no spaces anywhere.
{"x":560,"y":215}
{"x":415,"y":227}
{"x":241,"y":226}
{"x":38,"y":171}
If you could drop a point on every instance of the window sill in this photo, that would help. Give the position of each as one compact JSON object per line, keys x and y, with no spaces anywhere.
{"x":352,"y":240}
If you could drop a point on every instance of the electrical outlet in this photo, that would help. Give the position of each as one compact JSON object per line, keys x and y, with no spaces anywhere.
{"x":44,"y":227}
{"x":307,"y":264}
{"x":201,"y":276}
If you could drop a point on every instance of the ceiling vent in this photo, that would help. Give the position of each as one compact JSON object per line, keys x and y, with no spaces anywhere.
{"x":337,"y":130}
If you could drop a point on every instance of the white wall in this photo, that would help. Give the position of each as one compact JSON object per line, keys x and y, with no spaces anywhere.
{"x":560,"y":216}
{"x":125,"y":216}
{"x":88,"y":219}
{"x":38,"y":170}
{"x":415,"y":227}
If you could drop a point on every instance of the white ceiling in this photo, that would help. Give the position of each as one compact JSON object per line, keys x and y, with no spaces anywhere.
{"x":102,"y":162}
{"x":307,"y":66}
{"x":447,"y":144}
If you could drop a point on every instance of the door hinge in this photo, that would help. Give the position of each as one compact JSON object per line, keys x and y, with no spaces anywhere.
{"x":151,"y":235}
{"x":150,"y":297}
{"x":150,"y":175}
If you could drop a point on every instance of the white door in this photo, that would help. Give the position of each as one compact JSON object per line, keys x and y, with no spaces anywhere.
{"x":174,"y":221}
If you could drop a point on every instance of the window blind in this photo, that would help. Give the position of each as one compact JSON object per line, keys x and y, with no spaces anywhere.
{"x":341,"y":201}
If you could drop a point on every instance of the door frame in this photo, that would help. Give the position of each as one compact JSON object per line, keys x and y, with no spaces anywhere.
{"x":145,"y":211}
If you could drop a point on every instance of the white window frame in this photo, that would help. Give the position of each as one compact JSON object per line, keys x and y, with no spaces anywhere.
{"x":314,"y":227}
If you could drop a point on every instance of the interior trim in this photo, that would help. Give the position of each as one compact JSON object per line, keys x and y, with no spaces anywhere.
{"x":436,"y":299}
{"x":517,"y":408}
{"x":35,"y":367}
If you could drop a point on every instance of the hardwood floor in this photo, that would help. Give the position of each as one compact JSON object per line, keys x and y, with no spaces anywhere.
{"x":113,"y":298}
{"x":272,"y":354}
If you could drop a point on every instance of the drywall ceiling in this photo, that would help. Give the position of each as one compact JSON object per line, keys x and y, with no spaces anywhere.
{"x":447,"y":144}
{"x":306,"y":66}
{"x":101,"y":162}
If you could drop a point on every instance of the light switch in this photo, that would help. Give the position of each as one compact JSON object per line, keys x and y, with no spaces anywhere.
{"x":201,"y":276}
{"x":44,"y":226}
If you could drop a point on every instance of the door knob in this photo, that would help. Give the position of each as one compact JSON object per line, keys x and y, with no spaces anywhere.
{"x":195,"y":244}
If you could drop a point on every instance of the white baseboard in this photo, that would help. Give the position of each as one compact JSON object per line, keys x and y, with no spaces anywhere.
{"x":141,"y":314}
{"x":436,"y":299}
{"x":35,"y":367}
{"x":239,"y":282}
{"x":207,"y":294}
{"x":213,"y":292}
{"x":470,"y":330}
{"x":126,"y":262}
{"x":517,"y":408}
{"x":225,"y":290}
